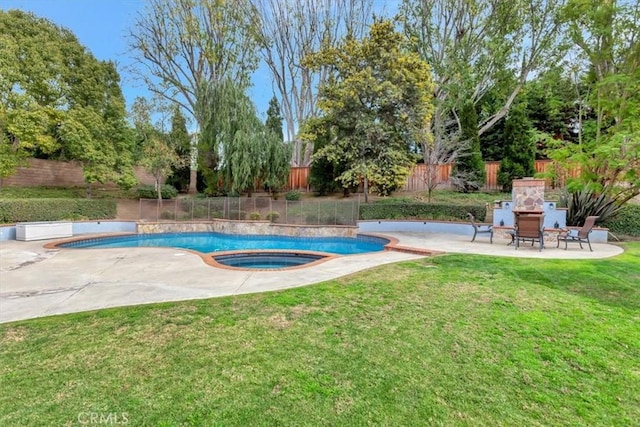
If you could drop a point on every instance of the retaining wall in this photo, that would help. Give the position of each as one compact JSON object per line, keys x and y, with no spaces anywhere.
{"x":51,"y":173}
{"x":249,"y":227}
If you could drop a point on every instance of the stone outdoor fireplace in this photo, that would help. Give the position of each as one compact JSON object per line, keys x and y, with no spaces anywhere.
{"x":527,"y":198}
{"x":528,"y":195}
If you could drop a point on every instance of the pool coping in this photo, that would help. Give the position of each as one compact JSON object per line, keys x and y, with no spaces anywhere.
{"x":39,"y":282}
{"x":208,"y":257}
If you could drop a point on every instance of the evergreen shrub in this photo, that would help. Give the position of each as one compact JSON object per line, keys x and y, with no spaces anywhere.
{"x":293,"y":195}
{"x":429,"y":211}
{"x":273,"y":215}
{"x":149,"y":192}
{"x":25,"y":210}
{"x":626,"y":221}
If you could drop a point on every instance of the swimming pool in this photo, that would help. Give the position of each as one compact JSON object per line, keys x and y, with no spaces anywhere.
{"x":267,"y":260}
{"x":216,"y":242}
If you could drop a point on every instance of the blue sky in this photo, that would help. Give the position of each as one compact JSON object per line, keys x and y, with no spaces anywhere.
{"x":101,"y":26}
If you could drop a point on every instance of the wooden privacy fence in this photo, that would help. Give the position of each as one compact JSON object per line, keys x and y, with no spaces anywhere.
{"x":53,"y":173}
{"x":299,"y":177}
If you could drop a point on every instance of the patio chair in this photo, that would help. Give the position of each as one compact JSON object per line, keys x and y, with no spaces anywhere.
{"x":479,"y":228}
{"x":580,"y":235}
{"x":529,"y":227}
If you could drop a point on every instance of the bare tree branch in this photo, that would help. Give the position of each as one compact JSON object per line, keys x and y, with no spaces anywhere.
{"x":180,"y":44}
{"x":471,"y":43}
{"x":288,"y":31}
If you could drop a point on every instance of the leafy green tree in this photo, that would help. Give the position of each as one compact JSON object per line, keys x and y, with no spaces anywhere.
{"x":606,"y":34}
{"x":469,"y":173}
{"x":159,"y":157}
{"x":158,"y":151}
{"x":491,"y":142}
{"x":244,"y":164}
{"x":274,"y":119}
{"x":376,"y":103}
{"x":181,"y":140}
{"x":59,"y":102}
{"x":552,"y":107}
{"x":480,"y":46}
{"x":184,"y":45}
{"x":11,"y":154}
{"x":277,"y":164}
{"x":551,"y":104}
{"x":236,"y":150}
{"x":323,"y":173}
{"x":278,"y":154}
{"x":228,"y":139}
{"x":287,"y":31}
{"x":518,"y":158}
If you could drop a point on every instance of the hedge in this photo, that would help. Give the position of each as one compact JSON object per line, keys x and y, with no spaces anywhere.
{"x":22,"y":210}
{"x":430,"y":211}
{"x":149,"y":192}
{"x":626,"y":221}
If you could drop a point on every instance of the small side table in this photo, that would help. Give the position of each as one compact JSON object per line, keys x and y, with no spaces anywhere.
{"x":505,"y":232}
{"x":551,"y":234}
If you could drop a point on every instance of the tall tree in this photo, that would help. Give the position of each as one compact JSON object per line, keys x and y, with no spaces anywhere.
{"x":476,"y":45}
{"x":274,"y":119}
{"x":469,"y":173}
{"x":551,"y":104}
{"x":323,"y":173}
{"x":181,"y":140}
{"x":158,"y":152}
{"x":278,"y":154}
{"x":236,"y":148}
{"x":439,"y":150}
{"x":184,"y":45}
{"x":518,"y":156}
{"x":375,"y":104}
{"x":59,"y":102}
{"x":607,"y":34}
{"x":290,"y":30}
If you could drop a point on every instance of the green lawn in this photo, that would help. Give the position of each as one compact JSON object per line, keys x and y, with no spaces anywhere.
{"x":451,"y":197}
{"x":450,"y":340}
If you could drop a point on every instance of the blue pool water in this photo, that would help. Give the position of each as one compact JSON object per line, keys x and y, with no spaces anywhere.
{"x":215,"y":242}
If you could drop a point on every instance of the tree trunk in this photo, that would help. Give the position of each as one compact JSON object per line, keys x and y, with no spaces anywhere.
{"x":193,"y":177}
{"x":366,"y":189}
{"x":159,"y":191}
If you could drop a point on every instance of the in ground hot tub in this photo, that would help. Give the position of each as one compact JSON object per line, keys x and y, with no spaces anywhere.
{"x":267,"y":260}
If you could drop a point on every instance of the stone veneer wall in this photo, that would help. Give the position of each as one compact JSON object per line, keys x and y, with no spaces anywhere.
{"x":253,"y":227}
{"x":528,"y":194}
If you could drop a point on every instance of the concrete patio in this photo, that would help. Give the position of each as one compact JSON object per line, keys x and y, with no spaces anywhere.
{"x":37,"y":282}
